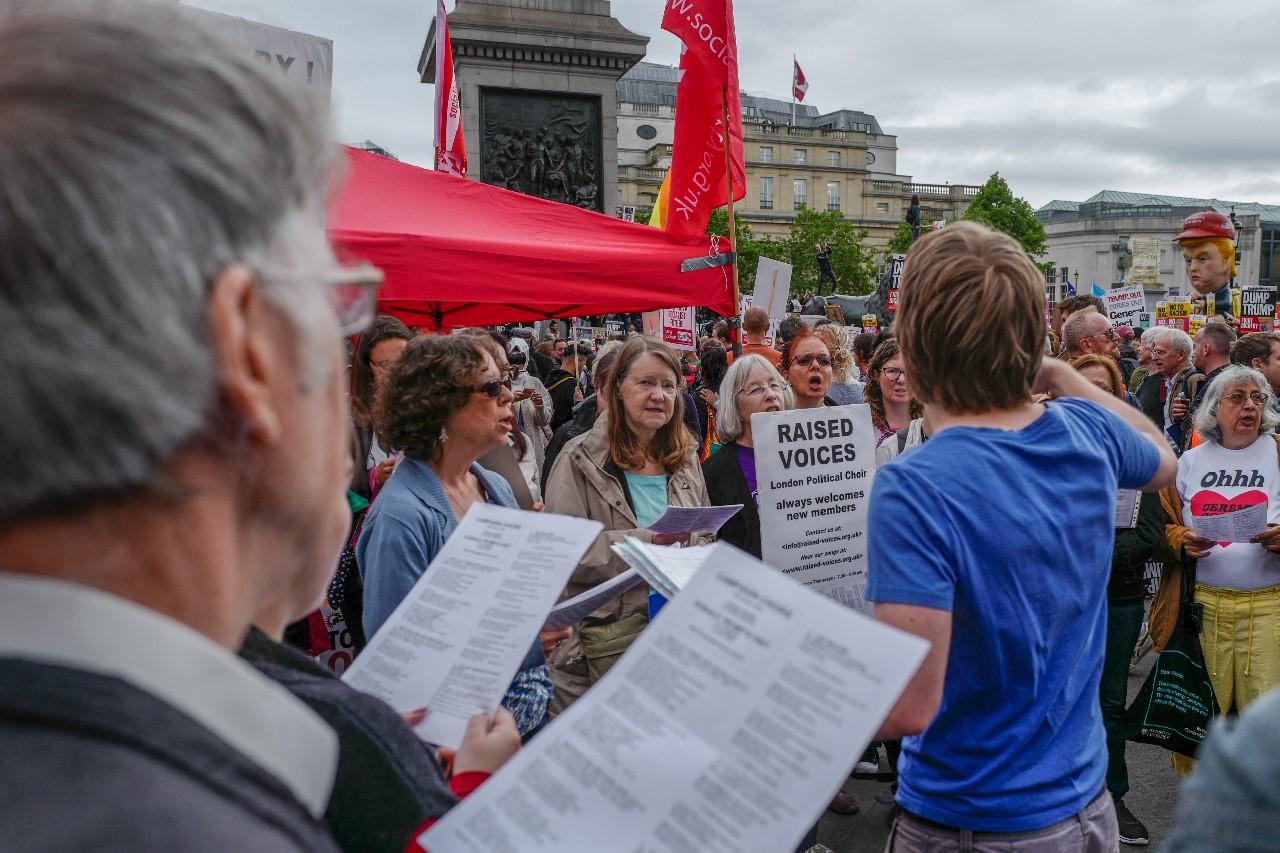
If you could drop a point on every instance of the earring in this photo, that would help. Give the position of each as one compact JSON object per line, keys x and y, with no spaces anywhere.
{"x":444,"y":436}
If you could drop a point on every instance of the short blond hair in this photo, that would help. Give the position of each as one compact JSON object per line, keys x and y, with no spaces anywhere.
{"x":970,"y":319}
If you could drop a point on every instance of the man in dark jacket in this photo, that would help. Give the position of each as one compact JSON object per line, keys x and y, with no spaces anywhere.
{"x":185,"y":461}
{"x":562,"y":383}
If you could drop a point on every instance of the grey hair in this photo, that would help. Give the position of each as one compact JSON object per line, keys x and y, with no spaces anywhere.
{"x":141,"y":154}
{"x":729,"y":425}
{"x":1206,"y":417}
{"x":1174,"y":338}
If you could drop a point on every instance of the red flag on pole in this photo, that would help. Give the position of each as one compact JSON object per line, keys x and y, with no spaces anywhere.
{"x":708,"y":82}
{"x":451,"y":149}
{"x":799,"y":85}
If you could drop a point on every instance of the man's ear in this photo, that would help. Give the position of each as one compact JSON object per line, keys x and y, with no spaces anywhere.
{"x":240,"y":332}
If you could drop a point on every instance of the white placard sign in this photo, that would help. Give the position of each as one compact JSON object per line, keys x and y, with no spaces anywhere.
{"x":727,"y":726}
{"x":455,"y":642}
{"x":679,"y":328}
{"x":1125,"y":305}
{"x":298,"y":56}
{"x":773,"y":287}
{"x":813,"y":470}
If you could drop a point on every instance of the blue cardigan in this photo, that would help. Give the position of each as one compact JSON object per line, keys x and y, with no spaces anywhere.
{"x":405,"y":529}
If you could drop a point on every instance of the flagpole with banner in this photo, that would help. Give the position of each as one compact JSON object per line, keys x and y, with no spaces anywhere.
{"x":451,"y":149}
{"x":795,"y":63}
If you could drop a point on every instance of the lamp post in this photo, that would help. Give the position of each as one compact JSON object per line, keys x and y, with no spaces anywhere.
{"x":1235,"y":223}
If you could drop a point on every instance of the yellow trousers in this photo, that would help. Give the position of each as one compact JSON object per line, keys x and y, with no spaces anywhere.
{"x":1241,"y":641}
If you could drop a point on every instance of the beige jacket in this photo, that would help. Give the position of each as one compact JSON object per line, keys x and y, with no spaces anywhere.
{"x":581,"y":485}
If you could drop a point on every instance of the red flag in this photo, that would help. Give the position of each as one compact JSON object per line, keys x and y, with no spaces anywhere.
{"x":451,"y":149}
{"x":708,"y":80}
{"x":799,"y":85}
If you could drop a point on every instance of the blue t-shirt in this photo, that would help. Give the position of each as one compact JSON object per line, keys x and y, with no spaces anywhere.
{"x":648,"y":496}
{"x":1011,"y":531}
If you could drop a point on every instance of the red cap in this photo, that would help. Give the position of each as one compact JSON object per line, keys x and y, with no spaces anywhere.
{"x":1206,"y":223}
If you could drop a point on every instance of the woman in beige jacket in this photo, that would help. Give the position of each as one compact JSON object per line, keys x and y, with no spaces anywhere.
{"x":637,"y":460}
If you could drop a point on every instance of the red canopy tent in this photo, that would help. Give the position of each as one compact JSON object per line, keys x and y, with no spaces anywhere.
{"x":457,"y":252}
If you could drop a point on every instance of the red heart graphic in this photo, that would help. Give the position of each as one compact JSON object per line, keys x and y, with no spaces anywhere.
{"x":1212,"y":503}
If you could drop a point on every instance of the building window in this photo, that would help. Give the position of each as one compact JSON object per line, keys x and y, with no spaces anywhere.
{"x":1062,"y":275}
{"x":882,"y":207}
{"x":766,"y":193}
{"x":801,"y":156}
{"x":833,"y":159}
{"x":766,"y":153}
{"x":646,"y":131}
{"x":800,"y":190}
{"x":833,"y":195}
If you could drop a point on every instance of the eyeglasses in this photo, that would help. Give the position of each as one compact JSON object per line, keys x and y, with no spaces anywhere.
{"x":1237,"y":398}
{"x":1109,"y":334}
{"x":493,"y":388}
{"x":353,"y":293}
{"x":893,"y":374}
{"x":809,"y":358}
{"x":758,"y":390}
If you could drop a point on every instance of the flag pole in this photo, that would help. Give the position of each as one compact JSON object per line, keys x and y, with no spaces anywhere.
{"x":793,"y":90}
{"x":735,"y":334}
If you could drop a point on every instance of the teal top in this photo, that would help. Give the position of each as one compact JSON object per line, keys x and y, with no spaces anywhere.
{"x":648,"y":496}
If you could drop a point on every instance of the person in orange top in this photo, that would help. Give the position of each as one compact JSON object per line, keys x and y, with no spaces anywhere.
{"x":755,"y":323}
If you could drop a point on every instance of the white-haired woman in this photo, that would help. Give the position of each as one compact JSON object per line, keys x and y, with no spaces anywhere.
{"x":1237,"y":466}
{"x":751,"y":385}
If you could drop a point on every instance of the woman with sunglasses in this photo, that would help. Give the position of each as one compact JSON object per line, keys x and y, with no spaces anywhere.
{"x":446,"y":403}
{"x":807,"y":367}
{"x":892,"y":406}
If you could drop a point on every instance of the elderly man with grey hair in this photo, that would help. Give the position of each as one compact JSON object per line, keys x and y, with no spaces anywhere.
{"x":175,"y":431}
{"x":1172,"y":375}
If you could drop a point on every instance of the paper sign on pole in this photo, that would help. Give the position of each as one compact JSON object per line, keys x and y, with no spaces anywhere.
{"x":773,"y":286}
{"x":1144,"y":319}
{"x":895,"y":272}
{"x":1257,"y":302}
{"x":1195,"y":323}
{"x":870,"y":321}
{"x":728,"y":725}
{"x":583,"y":333}
{"x":1124,"y":304}
{"x":613,"y":327}
{"x":814,"y":469}
{"x":892,"y":304}
{"x":678,"y":328}
{"x":651,"y":323}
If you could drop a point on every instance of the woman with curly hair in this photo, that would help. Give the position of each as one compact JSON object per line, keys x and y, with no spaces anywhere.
{"x":844,"y":389}
{"x":892,"y":406}
{"x":446,"y":403}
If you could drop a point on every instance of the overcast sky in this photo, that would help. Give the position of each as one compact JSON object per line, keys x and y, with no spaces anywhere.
{"x":1062,"y":98}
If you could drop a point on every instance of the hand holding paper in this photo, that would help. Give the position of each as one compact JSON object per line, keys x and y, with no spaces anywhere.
{"x":1239,"y":526}
{"x":694,"y":519}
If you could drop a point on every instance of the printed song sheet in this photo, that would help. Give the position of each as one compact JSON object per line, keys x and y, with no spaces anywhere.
{"x":694,"y":519}
{"x":727,"y":727}
{"x":456,"y":641}
{"x":574,"y":610}
{"x":1239,"y":526}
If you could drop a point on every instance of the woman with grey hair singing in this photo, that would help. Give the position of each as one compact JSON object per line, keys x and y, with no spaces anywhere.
{"x":751,"y":385}
{"x":1234,"y":468}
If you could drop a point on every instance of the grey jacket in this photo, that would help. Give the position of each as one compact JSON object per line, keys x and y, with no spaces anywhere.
{"x":91,"y":762}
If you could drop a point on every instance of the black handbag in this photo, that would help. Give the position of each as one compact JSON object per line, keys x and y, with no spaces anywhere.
{"x":1176,"y":703}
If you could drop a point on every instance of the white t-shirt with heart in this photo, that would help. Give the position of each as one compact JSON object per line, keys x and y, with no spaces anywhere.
{"x":1213,"y":480}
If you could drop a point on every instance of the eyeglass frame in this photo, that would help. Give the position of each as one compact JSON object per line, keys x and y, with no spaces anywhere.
{"x":758,"y":390}
{"x":364,"y":278}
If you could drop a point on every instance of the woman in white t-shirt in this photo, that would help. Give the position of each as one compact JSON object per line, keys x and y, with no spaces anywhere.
{"x":1236,"y":468}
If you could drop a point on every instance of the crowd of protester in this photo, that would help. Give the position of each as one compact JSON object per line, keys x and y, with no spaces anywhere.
{"x":197,"y":466}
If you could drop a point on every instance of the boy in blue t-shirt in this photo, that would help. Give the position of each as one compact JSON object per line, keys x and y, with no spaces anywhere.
{"x":993,"y":541}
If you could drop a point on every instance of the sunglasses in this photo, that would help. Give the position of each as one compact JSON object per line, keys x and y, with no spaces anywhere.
{"x":493,"y":388}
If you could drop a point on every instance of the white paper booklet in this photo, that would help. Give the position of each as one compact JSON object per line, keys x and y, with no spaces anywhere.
{"x":456,"y":641}
{"x":666,"y":568}
{"x":727,"y":726}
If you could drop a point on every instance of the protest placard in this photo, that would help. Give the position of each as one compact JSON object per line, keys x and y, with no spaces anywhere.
{"x":678,"y":327}
{"x":728,"y":725}
{"x":892,"y":304}
{"x":1124,"y":304}
{"x":457,"y":639}
{"x":895,"y":271}
{"x":870,"y":321}
{"x":1257,"y":302}
{"x":814,"y":469}
{"x":773,"y":287}
{"x":583,"y":333}
{"x":613,"y":327}
{"x":1195,"y":323}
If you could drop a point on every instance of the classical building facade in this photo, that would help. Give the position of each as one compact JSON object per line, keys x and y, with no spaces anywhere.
{"x":1118,"y":237}
{"x":841,"y":161}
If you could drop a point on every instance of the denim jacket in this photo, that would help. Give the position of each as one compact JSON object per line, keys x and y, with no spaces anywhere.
{"x":404,"y":531}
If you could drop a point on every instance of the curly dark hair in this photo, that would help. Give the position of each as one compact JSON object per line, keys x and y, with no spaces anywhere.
{"x":433,"y":379}
{"x":384,"y":328}
{"x":886,"y":350}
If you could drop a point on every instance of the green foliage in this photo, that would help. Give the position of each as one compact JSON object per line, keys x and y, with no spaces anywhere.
{"x":642,"y":216}
{"x":900,"y":242}
{"x":996,"y":207}
{"x":853,"y":261}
